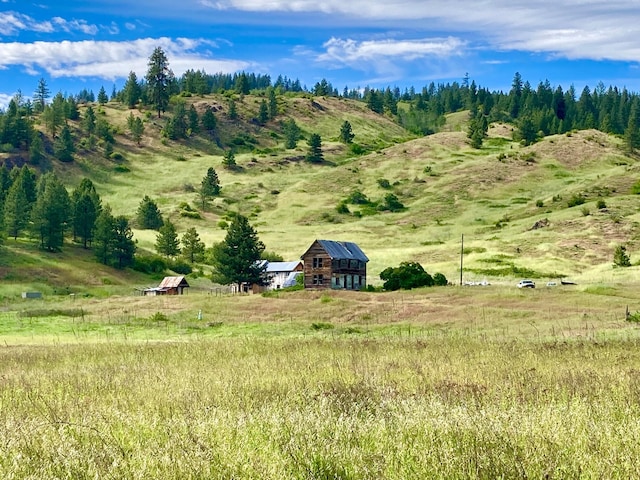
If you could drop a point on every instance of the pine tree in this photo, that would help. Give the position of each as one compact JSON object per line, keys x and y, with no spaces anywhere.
{"x":291,"y":133}
{"x":236,"y":259}
{"x":89,"y":120}
{"x":51,"y":212}
{"x":158,"y":78}
{"x":192,"y":247}
{"x":229,"y":160}
{"x":167,"y":240}
{"x":131,"y":91}
{"x":208,"y":120}
{"x":315,"y":148}
{"x":36,"y":149}
{"x":102,"y":96}
{"x":193,"y":120}
{"x":124,"y":246}
{"x":209,"y":187}
{"x":620,"y":257}
{"x":63,"y":147}
{"x":40,"y":96}
{"x":148,"y":215}
{"x":346,"y":133}
{"x":136,"y":127}
{"x":104,"y":236}
{"x":631,"y":133}
{"x":17,"y":208}
{"x":233,"y":113}
{"x":263,"y":113}
{"x":273,"y":103}
{"x":85,"y":206}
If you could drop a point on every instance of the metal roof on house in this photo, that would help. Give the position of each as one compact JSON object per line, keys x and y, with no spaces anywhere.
{"x":273,"y":267}
{"x":343,"y":250}
{"x":173,"y":282}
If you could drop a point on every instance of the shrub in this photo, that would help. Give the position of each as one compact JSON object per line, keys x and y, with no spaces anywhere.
{"x":342,"y":208}
{"x":358,"y":198}
{"x":620,"y":257}
{"x":440,"y":280}
{"x":181,"y":267}
{"x":149,"y":264}
{"x":384,"y":183}
{"x":539,"y":203}
{"x":585,"y":211}
{"x":407,"y":276}
{"x":600,"y":204}
{"x":576,"y":199}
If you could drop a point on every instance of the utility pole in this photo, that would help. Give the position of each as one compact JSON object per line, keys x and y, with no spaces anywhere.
{"x":461,"y":257}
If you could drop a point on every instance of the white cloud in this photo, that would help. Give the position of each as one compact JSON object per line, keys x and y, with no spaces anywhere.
{"x":576,"y":29}
{"x":110,"y":60}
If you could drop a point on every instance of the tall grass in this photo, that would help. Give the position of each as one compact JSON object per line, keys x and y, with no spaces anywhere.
{"x":324,"y":407}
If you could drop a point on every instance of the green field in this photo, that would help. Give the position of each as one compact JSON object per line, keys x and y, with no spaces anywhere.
{"x":450,"y":382}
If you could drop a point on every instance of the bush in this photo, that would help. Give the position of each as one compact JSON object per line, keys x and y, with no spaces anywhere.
{"x":342,"y":208}
{"x":358,"y":198}
{"x":384,"y":183}
{"x":149,"y":264}
{"x":440,"y":280}
{"x":620,"y":257}
{"x":407,"y":276}
{"x":600,"y":204}
{"x":539,"y":203}
{"x":181,"y":267}
{"x":576,"y":199}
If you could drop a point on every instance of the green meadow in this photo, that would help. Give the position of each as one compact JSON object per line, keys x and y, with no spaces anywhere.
{"x":450,"y":382}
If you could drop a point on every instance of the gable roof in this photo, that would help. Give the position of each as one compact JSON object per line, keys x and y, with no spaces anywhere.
{"x":173,"y":282}
{"x":273,"y":267}
{"x":342,"y":250}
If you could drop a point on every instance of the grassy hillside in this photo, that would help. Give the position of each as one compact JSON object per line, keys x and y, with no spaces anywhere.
{"x":510,"y":202}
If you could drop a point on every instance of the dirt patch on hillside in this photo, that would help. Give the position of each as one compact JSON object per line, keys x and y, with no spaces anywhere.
{"x":500,"y":130}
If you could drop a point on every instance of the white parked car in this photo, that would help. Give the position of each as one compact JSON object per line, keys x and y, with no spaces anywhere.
{"x":526,"y":284}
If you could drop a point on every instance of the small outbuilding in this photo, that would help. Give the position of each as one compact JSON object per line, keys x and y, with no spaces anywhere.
{"x":282,"y":274}
{"x":168,"y":286}
{"x":333,"y":264}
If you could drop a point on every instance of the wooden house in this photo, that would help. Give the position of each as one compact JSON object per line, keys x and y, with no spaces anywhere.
{"x":168,"y":286}
{"x":332,"y":264}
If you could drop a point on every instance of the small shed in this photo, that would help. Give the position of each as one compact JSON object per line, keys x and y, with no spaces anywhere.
{"x":333,"y":264}
{"x":279,"y":273}
{"x":168,"y":286}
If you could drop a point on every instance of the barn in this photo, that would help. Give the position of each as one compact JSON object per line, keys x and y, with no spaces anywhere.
{"x":168,"y":286}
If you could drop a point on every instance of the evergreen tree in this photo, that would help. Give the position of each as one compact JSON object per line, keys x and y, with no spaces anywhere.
{"x":158,"y":78}
{"x":102,"y":96}
{"x":136,"y":127}
{"x":527,"y":133}
{"x":621,"y":257}
{"x":124,"y":246}
{"x":5,"y":183}
{"x":273,"y":103}
{"x":63,"y":147}
{"x":104,"y":238}
{"x":36,"y":149}
{"x":233,"y":113}
{"x":131,"y":91}
{"x":86,"y":206}
{"x":89,"y":120}
{"x":17,"y":207}
{"x":148,"y":215}
{"x":631,"y":133}
{"x":208,"y":120}
{"x":237,"y":258}
{"x":315,"y":148}
{"x":346,"y":133}
{"x":209,"y":187}
{"x":167,"y":240}
{"x":242,"y":84}
{"x":40,"y":96}
{"x":192,"y":247}
{"x":51,"y":212}
{"x":263,"y":113}
{"x":229,"y":160}
{"x":193,"y":120}
{"x":291,"y":133}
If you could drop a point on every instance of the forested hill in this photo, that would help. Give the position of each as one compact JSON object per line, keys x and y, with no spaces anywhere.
{"x":103,"y":183}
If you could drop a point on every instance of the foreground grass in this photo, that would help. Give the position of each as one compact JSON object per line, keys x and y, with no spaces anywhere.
{"x":444,"y":383}
{"x":321,"y":408}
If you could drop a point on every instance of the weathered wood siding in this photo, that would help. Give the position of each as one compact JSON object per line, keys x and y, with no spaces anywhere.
{"x":311,"y":272}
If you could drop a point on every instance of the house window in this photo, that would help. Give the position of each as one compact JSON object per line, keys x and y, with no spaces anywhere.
{"x":318,"y":279}
{"x":317,"y":262}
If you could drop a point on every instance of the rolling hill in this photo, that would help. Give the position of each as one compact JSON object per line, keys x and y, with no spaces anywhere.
{"x":511,"y":203}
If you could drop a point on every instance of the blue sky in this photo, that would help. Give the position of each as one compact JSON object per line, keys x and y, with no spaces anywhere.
{"x":75,"y":44}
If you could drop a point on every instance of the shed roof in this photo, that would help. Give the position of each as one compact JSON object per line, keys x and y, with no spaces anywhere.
{"x":173,"y":282}
{"x":342,"y":250}
{"x":273,"y":267}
